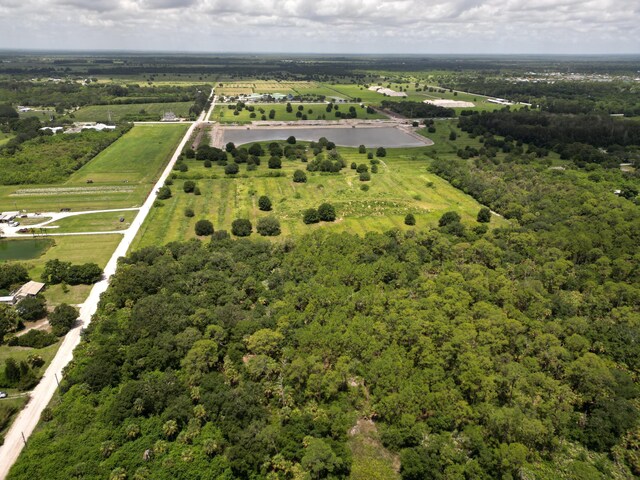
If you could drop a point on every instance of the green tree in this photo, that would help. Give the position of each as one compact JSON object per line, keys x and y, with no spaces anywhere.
{"x":8,"y":320}
{"x":275,"y":162}
{"x":264,"y":203}
{"x":231,"y":168}
{"x":327,"y":212}
{"x":268,"y":226}
{"x":484,"y":215}
{"x":241,"y":227}
{"x":409,"y":219}
{"x":299,"y":176}
{"x":310,"y":216}
{"x":381,"y":152}
{"x":188,"y":212}
{"x":362,"y":149}
{"x":32,"y":308}
{"x":164,"y":193}
{"x":362,"y":168}
{"x":204,"y":228}
{"x":448,"y":218}
{"x":188,"y":186}
{"x":63,"y":318}
{"x":319,"y":460}
{"x":365,"y":176}
{"x":291,"y":140}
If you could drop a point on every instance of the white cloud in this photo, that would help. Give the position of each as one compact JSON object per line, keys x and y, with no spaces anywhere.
{"x":400,"y":26}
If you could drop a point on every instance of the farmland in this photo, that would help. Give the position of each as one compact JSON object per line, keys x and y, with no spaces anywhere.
{"x":129,"y":112}
{"x":403,"y":185}
{"x":119,"y":177}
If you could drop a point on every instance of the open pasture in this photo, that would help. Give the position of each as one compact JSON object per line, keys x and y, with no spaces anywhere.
{"x":313,"y":111}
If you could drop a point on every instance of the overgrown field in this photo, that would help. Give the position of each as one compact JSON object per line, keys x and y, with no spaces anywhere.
{"x":129,"y":112}
{"x":119,"y":177}
{"x":402,"y":185}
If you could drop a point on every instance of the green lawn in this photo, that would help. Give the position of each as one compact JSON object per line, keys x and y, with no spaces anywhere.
{"x":129,"y":112}
{"x":95,"y":222}
{"x":120,"y":176}
{"x":314,"y":111}
{"x":403,"y":185}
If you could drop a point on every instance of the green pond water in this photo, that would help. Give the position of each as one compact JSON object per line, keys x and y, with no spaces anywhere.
{"x":23,"y":249}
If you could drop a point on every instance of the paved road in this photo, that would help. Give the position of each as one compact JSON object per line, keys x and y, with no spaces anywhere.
{"x":28,"y":418}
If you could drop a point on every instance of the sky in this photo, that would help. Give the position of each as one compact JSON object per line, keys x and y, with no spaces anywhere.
{"x":325,"y":26}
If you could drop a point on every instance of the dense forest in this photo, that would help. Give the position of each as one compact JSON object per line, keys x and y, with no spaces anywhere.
{"x":559,"y":96}
{"x":503,"y":353}
{"x":67,"y":94}
{"x":585,"y":138}
{"x":418,"y":109}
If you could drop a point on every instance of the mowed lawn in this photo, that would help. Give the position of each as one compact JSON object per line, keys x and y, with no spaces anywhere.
{"x":402,"y":185}
{"x":129,"y":112}
{"x":94,"y":222}
{"x":313,"y":111}
{"x":120,"y":176}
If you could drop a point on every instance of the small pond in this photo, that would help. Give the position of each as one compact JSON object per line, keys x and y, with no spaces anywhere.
{"x":372,"y":137}
{"x":26,"y":249}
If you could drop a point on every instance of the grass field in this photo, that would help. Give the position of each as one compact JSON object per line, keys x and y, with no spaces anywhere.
{"x":313,"y":111}
{"x":5,"y":137}
{"x":233,"y":88}
{"x":74,"y":249}
{"x":403,"y":185}
{"x":121,"y":175}
{"x":95,"y":222}
{"x":132,"y":112}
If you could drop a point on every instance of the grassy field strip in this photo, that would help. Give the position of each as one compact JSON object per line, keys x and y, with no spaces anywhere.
{"x":129,"y":112}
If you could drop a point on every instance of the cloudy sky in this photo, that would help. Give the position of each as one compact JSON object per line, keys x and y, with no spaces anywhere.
{"x":325,"y":26}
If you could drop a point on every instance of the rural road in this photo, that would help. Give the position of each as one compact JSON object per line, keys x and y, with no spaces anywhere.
{"x":28,"y":418}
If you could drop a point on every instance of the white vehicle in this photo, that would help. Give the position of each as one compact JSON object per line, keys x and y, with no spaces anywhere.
{"x":3,"y":394}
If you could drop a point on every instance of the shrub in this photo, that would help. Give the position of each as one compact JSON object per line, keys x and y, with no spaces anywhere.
{"x":364,"y":188}
{"x":453,"y":135}
{"x":409,"y":219}
{"x":164,"y":193}
{"x":182,"y":167}
{"x":362,"y":149}
{"x":484,"y":215}
{"x":196,"y":191}
{"x":62,"y":319}
{"x":291,"y":140}
{"x":381,"y":152}
{"x":448,"y":218}
{"x":353,"y":165}
{"x":275,"y":162}
{"x":365,"y":176}
{"x":327,"y":212}
{"x":207,"y":164}
{"x":220,"y":235}
{"x":203,"y":228}
{"x":362,"y":168}
{"x":188,"y":212}
{"x":231,"y":168}
{"x":264,"y":203}
{"x":34,"y":339}
{"x":188,"y":186}
{"x":299,"y":176}
{"x":31,"y":308}
{"x":241,"y":227}
{"x":310,"y":216}
{"x":268,"y":227}
{"x":370,"y":155}
{"x":374,"y":168}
